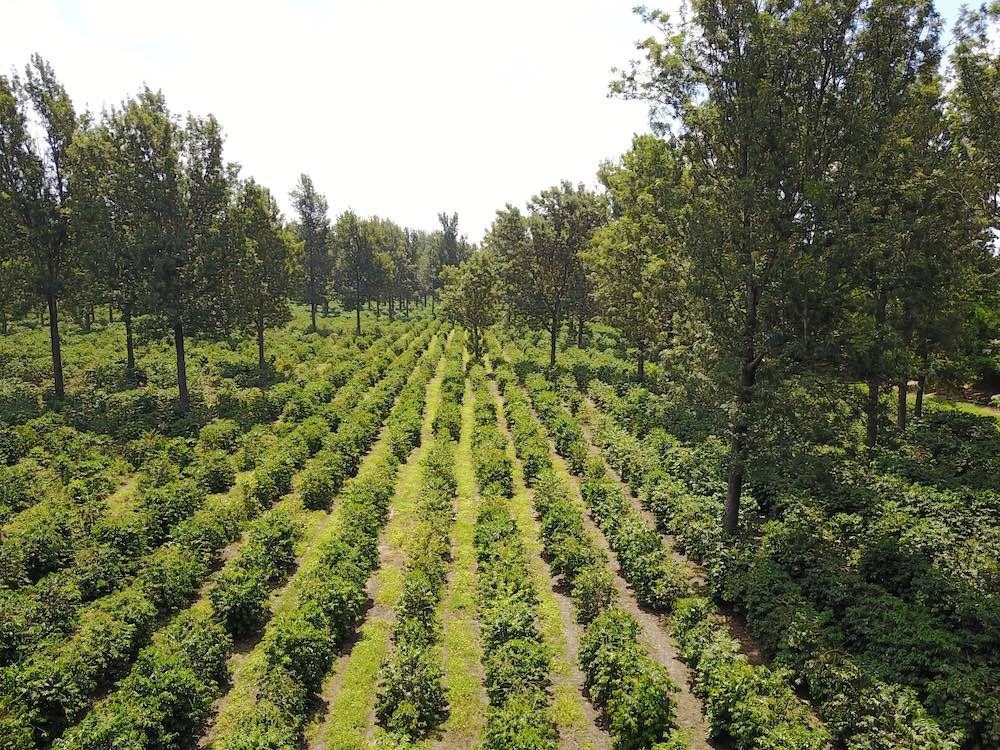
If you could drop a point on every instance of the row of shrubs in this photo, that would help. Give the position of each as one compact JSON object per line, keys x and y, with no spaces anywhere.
{"x":679,"y":486}
{"x":61,"y":679}
{"x":753,"y":706}
{"x":516,"y":662}
{"x":657,"y":579}
{"x":633,"y":691}
{"x":299,"y":644}
{"x":118,"y":544}
{"x":239,"y":596}
{"x":74,"y":488}
{"x":411,"y":696}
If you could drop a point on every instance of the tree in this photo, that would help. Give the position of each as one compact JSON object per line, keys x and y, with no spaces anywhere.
{"x":975,"y":104}
{"x":352,"y":246}
{"x":633,"y":262}
{"x":470,"y":295}
{"x":126,"y":201}
{"x":313,"y":229}
{"x":266,"y":256}
{"x":189,"y":262}
{"x":754,"y":92}
{"x":538,"y":255}
{"x":35,"y":185}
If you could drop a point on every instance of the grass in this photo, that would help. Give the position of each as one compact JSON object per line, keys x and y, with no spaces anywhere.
{"x":350,"y":710}
{"x":322,"y":528}
{"x":567,"y":709}
{"x":462,"y":654}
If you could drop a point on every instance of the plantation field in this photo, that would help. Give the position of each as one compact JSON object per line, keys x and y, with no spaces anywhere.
{"x":394,"y":543}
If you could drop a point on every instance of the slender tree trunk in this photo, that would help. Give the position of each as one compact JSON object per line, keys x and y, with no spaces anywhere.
{"x":182,"y":383}
{"x":641,"y":369}
{"x":875,"y":381}
{"x":129,"y":340}
{"x":918,"y":405}
{"x":553,"y":336}
{"x":312,"y":309}
{"x":261,"y":364}
{"x":326,"y":307}
{"x":390,"y":303}
{"x":432,"y":304}
{"x":581,"y":329}
{"x":378,"y":309}
{"x":111,"y":313}
{"x":901,"y":404}
{"x":740,"y":427}
{"x":56,"y":341}
{"x":872,"y":412}
{"x":357,"y":319}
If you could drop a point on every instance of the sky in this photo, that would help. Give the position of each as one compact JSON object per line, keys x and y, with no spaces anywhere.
{"x":401,"y":109}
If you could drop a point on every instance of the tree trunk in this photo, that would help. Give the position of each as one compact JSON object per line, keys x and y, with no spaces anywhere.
{"x":432,"y":304}
{"x":129,"y":340}
{"x":326,"y":308}
{"x":738,"y":445}
{"x":918,"y":404}
{"x":553,"y":336}
{"x":261,"y":364}
{"x":641,"y":369}
{"x":378,"y":309}
{"x":390,"y":302}
{"x":111,"y":313}
{"x":182,"y":382}
{"x":57,"y":369}
{"x":312,"y":310}
{"x":740,"y":427}
{"x":901,"y":404}
{"x":580,"y":330}
{"x":871,"y":410}
{"x":357,"y":319}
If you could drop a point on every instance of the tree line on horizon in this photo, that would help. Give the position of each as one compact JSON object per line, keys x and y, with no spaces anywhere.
{"x":818,"y":205}
{"x":138,"y":211}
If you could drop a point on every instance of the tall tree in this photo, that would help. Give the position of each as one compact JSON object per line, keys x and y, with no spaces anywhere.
{"x":633,"y":262}
{"x":352,"y":244}
{"x":313,"y":228}
{"x":754,"y":91}
{"x":190,"y":261}
{"x":35,"y":184}
{"x":126,"y":202}
{"x":266,"y":256}
{"x":539,"y":254}
{"x":470,"y":295}
{"x":893,"y":94}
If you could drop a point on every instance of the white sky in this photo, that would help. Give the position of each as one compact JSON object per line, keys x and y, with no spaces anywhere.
{"x":403,"y":109}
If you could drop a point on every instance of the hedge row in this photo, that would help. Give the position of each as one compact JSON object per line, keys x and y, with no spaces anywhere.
{"x":633,"y":692}
{"x":178,"y":512}
{"x":860,"y":709}
{"x":411,"y":696}
{"x":299,"y":644}
{"x":657,"y":579}
{"x":273,"y":476}
{"x":515,"y":660}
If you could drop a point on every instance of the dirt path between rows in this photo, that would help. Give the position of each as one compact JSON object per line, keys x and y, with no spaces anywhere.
{"x":655,"y":636}
{"x":590,"y":732}
{"x":735,"y":623}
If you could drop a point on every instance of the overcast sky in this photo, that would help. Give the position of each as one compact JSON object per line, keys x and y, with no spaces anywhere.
{"x":403,"y":109}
